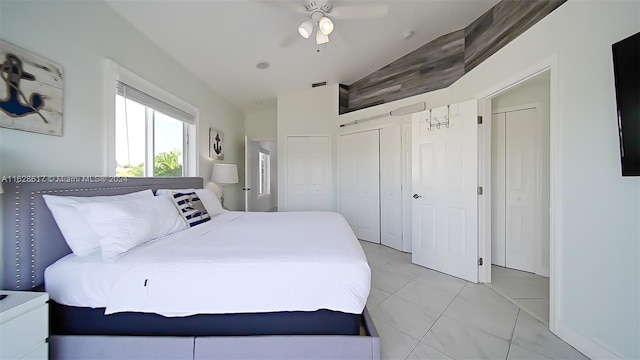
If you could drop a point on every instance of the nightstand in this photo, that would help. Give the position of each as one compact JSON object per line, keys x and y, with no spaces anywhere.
{"x":24,"y":325}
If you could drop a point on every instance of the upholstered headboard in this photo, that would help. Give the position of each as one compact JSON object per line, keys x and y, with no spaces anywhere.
{"x":31,"y":238}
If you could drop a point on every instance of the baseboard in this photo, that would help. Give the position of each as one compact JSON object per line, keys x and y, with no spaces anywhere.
{"x":583,"y":343}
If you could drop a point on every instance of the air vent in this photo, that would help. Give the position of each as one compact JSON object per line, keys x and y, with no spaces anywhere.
{"x":319,"y":84}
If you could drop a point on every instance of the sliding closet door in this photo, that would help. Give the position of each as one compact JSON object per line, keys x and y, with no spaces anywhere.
{"x":391,"y":187}
{"x":360,"y":183}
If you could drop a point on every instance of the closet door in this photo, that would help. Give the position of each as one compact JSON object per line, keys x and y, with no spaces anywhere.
{"x":522,"y":230}
{"x":515,"y":228}
{"x":406,"y":187}
{"x":498,"y":237}
{"x":391,"y":187}
{"x":360,"y":183}
{"x":308,"y":173}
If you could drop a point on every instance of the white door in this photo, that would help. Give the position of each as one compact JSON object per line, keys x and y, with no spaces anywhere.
{"x":360,"y":183}
{"x":522,"y":229}
{"x":308,"y":173}
{"x":348,"y":181}
{"x":247,"y":177}
{"x":391,"y":186}
{"x":251,"y":158}
{"x":498,"y":238}
{"x":406,"y":187}
{"x":445,"y":180}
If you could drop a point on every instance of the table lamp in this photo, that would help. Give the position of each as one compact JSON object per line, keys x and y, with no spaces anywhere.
{"x":223,"y":174}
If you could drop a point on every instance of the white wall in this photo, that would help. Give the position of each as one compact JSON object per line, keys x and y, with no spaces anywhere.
{"x":261,"y":125}
{"x":79,"y":35}
{"x":598,"y":210}
{"x":598,"y":240}
{"x":310,"y":113}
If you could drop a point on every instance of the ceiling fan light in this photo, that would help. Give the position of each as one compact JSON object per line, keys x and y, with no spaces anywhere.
{"x":321,"y":38}
{"x":305,"y":29}
{"x":326,"y":25}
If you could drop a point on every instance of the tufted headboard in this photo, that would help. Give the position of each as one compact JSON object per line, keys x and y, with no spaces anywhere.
{"x":31,"y":238}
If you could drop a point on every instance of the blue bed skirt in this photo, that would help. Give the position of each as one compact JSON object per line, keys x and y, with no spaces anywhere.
{"x":70,"y":320}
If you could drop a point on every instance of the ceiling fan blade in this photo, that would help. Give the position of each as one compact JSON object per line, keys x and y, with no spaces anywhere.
{"x":289,"y":5}
{"x":289,"y":40}
{"x":359,"y":12}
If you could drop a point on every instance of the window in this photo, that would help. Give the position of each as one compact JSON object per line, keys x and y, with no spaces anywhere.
{"x":264,"y":171}
{"x":151,"y":129}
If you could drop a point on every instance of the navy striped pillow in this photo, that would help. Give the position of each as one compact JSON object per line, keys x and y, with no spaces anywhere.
{"x":191,"y":208}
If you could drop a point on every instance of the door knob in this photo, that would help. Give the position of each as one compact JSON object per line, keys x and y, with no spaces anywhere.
{"x":415,"y":196}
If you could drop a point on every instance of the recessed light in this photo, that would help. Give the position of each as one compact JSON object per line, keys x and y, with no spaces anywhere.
{"x":262,"y":65}
{"x":407,"y":35}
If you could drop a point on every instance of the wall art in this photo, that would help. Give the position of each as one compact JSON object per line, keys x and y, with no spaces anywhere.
{"x":216,"y":144}
{"x":31,"y":91}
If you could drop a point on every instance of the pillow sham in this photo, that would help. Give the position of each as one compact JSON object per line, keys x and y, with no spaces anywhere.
{"x":125,"y":224}
{"x":75,"y":229}
{"x":208,"y":198}
{"x":191,"y":208}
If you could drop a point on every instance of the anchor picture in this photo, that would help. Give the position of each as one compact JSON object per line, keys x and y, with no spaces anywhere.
{"x":216,"y":144}
{"x":30,"y":91}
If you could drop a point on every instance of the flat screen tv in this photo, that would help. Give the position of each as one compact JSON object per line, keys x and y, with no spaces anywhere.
{"x":626,"y":68}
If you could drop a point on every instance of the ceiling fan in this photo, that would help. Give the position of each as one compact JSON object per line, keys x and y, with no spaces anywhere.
{"x":321,"y":13}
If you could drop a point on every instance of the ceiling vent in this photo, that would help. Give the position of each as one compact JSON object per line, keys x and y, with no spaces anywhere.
{"x":318,"y":84}
{"x":262,"y":65}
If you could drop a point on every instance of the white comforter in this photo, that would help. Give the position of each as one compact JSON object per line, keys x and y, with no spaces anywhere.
{"x":235,"y":263}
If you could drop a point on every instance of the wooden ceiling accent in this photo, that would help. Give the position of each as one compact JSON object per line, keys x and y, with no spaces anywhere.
{"x":443,"y":61}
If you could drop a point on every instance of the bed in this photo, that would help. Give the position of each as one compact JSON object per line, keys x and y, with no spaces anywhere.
{"x":253,"y":324}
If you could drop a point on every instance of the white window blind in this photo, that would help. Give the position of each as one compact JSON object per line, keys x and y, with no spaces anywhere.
{"x":129,"y":92}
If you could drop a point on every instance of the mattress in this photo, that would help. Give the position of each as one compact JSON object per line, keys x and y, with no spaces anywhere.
{"x":236,"y":263}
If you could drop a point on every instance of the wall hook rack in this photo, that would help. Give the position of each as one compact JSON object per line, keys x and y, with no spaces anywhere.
{"x":435,"y":121}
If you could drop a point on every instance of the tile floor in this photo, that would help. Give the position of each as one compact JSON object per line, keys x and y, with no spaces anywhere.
{"x":528,"y":291}
{"x":423,"y":314}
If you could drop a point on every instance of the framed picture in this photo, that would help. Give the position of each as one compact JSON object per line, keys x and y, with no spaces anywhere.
{"x":216,"y":144}
{"x":31,"y":91}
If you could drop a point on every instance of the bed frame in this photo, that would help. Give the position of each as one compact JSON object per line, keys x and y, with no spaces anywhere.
{"x":32,"y":241}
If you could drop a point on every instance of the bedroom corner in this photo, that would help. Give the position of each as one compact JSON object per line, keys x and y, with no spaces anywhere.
{"x":104,"y":34}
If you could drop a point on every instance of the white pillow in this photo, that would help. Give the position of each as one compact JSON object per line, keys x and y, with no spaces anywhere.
{"x":126,"y":224}
{"x":75,"y":229}
{"x":208,"y":198}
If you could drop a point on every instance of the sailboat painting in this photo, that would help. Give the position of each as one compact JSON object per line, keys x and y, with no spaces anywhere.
{"x":31,"y":91}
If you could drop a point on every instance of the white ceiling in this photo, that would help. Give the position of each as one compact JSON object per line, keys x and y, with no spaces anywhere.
{"x":221,"y":41}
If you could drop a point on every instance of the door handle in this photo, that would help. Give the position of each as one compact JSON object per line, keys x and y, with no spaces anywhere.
{"x":415,"y":196}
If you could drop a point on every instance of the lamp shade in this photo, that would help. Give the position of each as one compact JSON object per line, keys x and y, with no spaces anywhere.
{"x":326,"y":25}
{"x":321,"y":38}
{"x":224,"y":174}
{"x":305,"y":29}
